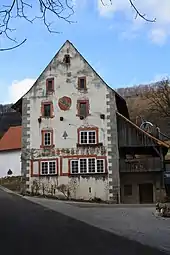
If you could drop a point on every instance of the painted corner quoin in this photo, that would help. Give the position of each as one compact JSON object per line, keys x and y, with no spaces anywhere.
{"x":113,"y":152}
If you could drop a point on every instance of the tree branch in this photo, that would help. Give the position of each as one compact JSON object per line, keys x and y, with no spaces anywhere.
{"x":138,"y":13}
{"x":59,"y":8}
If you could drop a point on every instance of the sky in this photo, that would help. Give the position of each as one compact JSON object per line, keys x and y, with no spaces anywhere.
{"x":124,"y":51}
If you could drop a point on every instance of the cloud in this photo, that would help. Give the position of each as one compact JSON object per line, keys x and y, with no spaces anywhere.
{"x":18,"y":88}
{"x":158,"y":31}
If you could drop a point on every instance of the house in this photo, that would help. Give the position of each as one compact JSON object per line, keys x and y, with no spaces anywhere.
{"x":76,"y":136}
{"x":10,"y":152}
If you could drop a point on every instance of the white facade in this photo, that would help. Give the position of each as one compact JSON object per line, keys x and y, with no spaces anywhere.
{"x":80,"y":185}
{"x":10,"y":160}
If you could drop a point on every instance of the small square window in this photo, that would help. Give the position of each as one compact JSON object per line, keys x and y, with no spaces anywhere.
{"x":48,"y":167}
{"x":82,"y":83}
{"x":47,"y":138}
{"x":128,"y":190}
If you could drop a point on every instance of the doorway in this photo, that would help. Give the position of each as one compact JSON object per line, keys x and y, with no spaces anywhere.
{"x":146,"y":193}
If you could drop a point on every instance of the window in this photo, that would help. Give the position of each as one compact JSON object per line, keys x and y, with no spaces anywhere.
{"x":87,"y":166}
{"x":82,"y":83}
{"x":48,"y":167}
{"x":128,"y":190}
{"x":88,"y":137}
{"x":100,"y":165}
{"x":83,"y":108}
{"x":47,"y":138}
{"x":50,"y":85}
{"x":47,"y":109}
{"x":67,"y":59}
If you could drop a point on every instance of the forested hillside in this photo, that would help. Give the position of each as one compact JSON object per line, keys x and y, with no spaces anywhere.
{"x":151,"y":102}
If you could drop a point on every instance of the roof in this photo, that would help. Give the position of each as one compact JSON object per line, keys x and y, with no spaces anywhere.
{"x":11,"y":139}
{"x":18,"y":103}
{"x":156,"y":140}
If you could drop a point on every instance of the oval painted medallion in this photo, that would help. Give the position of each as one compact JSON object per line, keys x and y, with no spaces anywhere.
{"x":64,"y":103}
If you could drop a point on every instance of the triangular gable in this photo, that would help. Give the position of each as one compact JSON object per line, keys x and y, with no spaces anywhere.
{"x":67,"y":42}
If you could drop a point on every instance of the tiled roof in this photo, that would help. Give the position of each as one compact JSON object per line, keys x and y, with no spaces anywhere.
{"x":11,"y":139}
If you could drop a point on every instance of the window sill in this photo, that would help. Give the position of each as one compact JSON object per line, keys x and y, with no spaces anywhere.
{"x":82,"y":90}
{"x":89,"y":145}
{"x":50,"y":117}
{"x":47,"y":147}
{"x":48,"y":175}
{"x":89,"y":174}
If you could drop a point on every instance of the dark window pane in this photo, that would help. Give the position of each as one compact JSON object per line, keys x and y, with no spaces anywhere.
{"x":92,"y":137}
{"x":49,"y":85}
{"x":83,"y":137}
{"x":83,"y":109}
{"x":52,"y":167}
{"x":100,"y":166}
{"x":47,"y":110}
{"x":47,"y":139}
{"x":44,"y":168}
{"x":83,"y":165}
{"x":91,"y":165}
{"x":74,"y":167}
{"x":82,"y":84}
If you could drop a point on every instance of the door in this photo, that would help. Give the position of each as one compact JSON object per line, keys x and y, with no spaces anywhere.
{"x":146,"y":193}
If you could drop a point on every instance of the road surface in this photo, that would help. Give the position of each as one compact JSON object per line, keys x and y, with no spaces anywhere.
{"x":28,"y":228}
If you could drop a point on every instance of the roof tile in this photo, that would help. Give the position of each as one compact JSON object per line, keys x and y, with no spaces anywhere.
{"x":11,"y":139}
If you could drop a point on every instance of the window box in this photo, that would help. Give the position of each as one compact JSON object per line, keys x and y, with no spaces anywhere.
{"x":47,"y":110}
{"x":87,"y":166}
{"x":47,"y":139}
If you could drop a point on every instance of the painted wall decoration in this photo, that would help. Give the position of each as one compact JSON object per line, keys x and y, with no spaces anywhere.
{"x":64,"y":103}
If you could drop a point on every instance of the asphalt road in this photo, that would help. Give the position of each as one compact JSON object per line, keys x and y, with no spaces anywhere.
{"x":28,"y":228}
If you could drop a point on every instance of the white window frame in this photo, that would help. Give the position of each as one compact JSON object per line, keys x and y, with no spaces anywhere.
{"x":87,"y":162}
{"x":49,"y":132}
{"x":45,"y":161}
{"x":87,"y":131}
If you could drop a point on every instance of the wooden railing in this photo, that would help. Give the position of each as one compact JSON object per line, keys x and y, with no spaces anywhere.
{"x":140,"y":165}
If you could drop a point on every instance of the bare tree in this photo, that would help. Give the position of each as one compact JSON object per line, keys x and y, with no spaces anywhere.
{"x":59,"y":9}
{"x":159,"y":97}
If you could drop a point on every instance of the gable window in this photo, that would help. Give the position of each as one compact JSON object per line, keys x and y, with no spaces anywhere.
{"x":47,"y":109}
{"x":48,"y":167}
{"x":50,"y":85}
{"x":82,"y":83}
{"x":87,"y":166}
{"x":83,"y":108}
{"x":88,"y":136}
{"x":47,"y":138}
{"x":67,"y":59}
